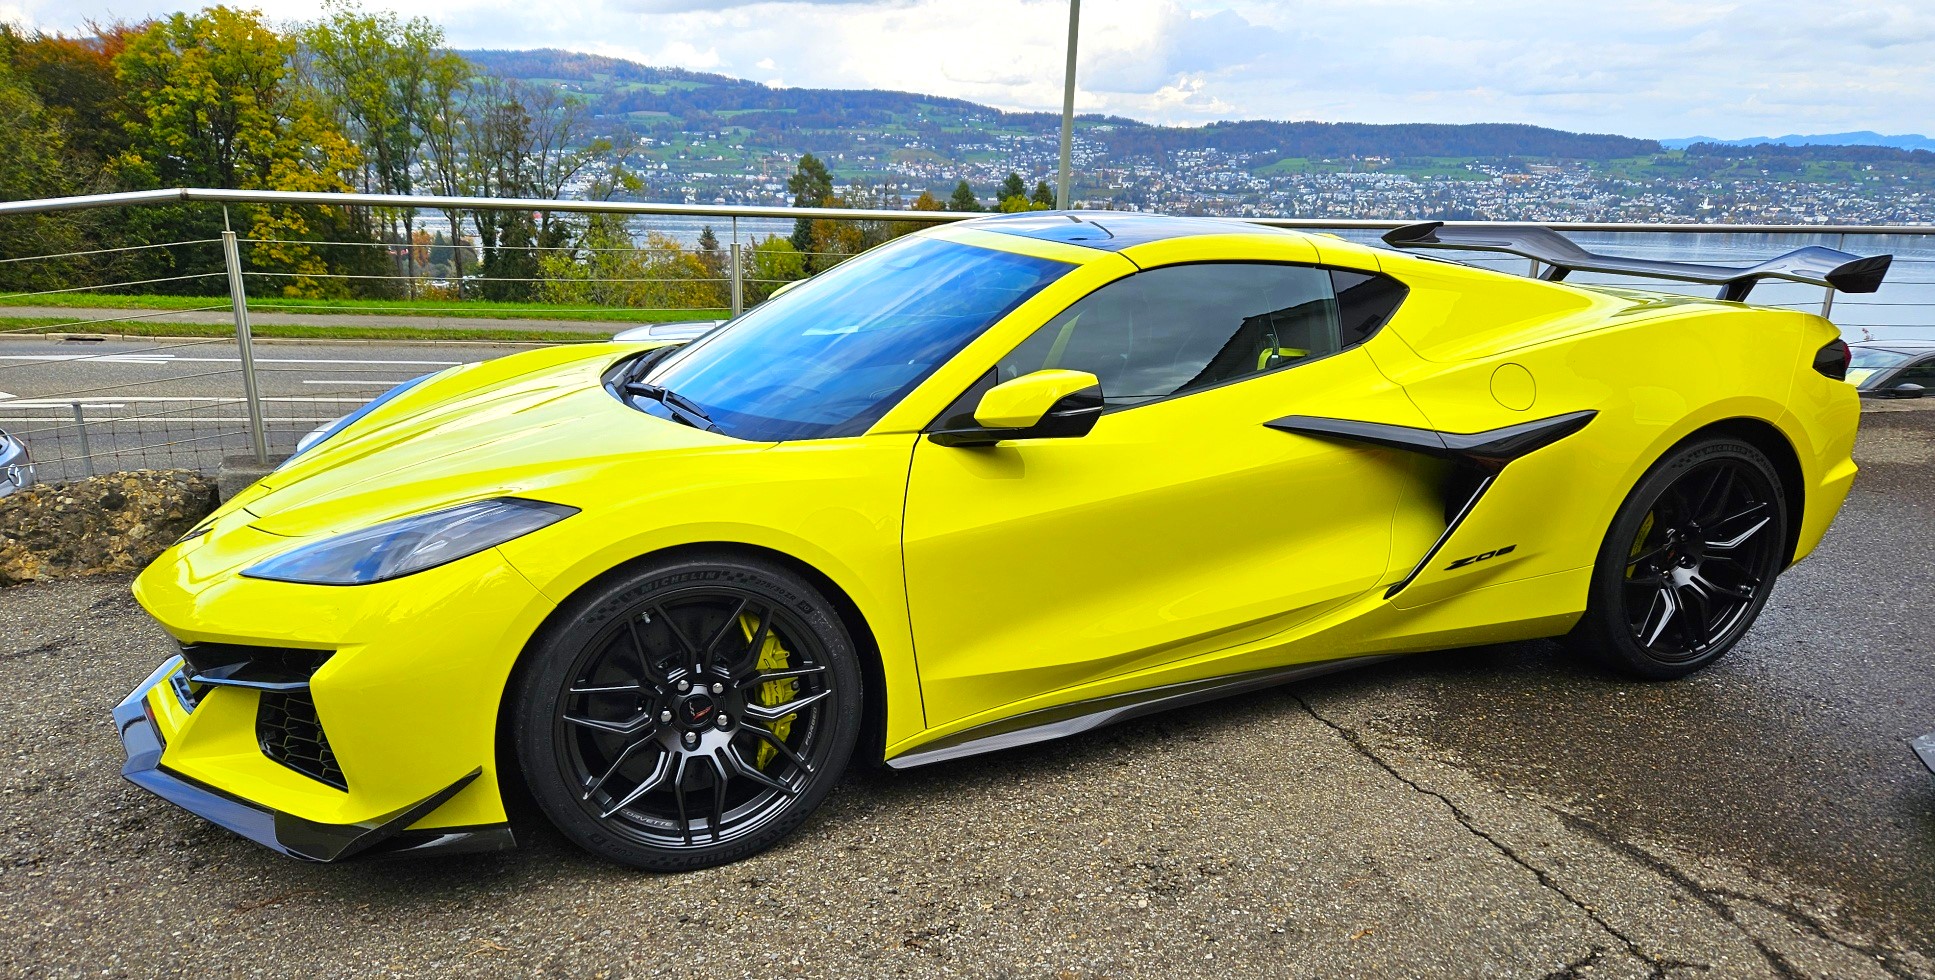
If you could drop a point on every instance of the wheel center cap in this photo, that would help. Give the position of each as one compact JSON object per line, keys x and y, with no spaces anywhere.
{"x":698,"y":711}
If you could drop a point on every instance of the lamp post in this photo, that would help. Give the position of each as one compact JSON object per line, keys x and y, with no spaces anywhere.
{"x":1068,"y":105}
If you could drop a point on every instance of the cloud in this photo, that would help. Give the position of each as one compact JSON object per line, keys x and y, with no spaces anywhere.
{"x":1726,"y":68}
{"x":687,"y":6}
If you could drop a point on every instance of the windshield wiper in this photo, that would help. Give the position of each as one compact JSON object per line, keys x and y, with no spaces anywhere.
{"x":683,"y":409}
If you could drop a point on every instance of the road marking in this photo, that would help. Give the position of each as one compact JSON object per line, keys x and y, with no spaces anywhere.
{"x":333,"y":382}
{"x":5,"y":395}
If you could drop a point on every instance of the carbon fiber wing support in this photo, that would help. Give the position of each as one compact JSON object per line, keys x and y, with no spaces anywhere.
{"x":1815,"y":265}
{"x":1477,"y":458}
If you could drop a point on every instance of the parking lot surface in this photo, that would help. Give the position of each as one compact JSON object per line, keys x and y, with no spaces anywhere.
{"x":1500,"y":811}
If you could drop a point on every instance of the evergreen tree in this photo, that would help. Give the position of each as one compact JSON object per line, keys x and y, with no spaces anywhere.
{"x":1044,"y":195}
{"x":1012,"y":186}
{"x":812,"y":187}
{"x":963,"y":198}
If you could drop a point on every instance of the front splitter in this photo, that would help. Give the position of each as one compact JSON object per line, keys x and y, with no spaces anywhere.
{"x":285,"y":833}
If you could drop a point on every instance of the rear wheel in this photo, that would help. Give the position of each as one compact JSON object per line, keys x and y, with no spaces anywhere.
{"x":1688,"y":563}
{"x":689,"y":714}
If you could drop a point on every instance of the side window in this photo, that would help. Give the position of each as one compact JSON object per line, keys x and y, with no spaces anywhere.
{"x":1182,"y":328}
{"x":1921,"y":374}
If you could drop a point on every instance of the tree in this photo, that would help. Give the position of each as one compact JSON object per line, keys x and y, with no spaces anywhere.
{"x":711,"y":254}
{"x":963,"y":198}
{"x":210,"y":102}
{"x":773,"y":263}
{"x":495,"y":152}
{"x":37,"y":165}
{"x":1044,"y":196}
{"x":928,"y":202}
{"x":374,"y":71}
{"x":1011,"y":186}
{"x":556,"y":129}
{"x":75,"y":81}
{"x":812,"y":187}
{"x":447,"y":85}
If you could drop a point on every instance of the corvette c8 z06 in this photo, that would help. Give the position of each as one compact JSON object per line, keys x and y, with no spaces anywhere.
{"x":991,"y":483}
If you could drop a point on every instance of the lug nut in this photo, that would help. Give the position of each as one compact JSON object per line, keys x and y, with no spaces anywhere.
{"x":725,"y":722}
{"x":718,"y":689}
{"x":691,"y":738}
{"x":665,"y":715}
{"x":685,"y":686}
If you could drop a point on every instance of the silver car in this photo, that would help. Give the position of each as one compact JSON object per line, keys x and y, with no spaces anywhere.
{"x":16,"y":467}
{"x":679,"y":331}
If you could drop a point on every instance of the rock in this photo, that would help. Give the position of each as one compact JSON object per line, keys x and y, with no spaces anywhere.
{"x":117,"y":522}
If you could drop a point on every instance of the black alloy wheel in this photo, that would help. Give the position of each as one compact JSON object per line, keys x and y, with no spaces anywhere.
{"x":1689,"y":561}
{"x":689,"y":714}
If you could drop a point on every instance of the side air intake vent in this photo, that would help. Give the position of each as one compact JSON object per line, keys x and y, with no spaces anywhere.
{"x":290,"y":733}
{"x":286,"y":724}
{"x":262,"y":668}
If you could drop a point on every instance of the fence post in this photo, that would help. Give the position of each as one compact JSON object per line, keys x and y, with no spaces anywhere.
{"x":239,"y":299}
{"x":87,"y":451}
{"x":738,"y":283}
{"x":738,"y":274}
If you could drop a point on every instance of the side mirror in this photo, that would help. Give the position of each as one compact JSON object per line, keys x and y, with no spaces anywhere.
{"x":1909,"y":390}
{"x":1044,"y":405}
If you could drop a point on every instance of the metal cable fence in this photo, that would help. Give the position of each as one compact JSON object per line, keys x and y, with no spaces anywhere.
{"x":85,"y":408}
{"x":91,"y":388}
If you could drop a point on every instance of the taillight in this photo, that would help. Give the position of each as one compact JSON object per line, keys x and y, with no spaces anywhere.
{"x":1832,"y":359}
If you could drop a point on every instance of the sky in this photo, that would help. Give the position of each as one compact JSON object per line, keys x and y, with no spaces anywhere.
{"x":1649,"y":68}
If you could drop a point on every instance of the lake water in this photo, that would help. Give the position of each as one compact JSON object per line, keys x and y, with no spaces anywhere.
{"x":1903,"y":308}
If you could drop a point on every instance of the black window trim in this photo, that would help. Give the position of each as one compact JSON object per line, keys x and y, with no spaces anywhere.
{"x":939,"y":418}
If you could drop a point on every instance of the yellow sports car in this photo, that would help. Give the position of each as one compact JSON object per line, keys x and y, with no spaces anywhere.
{"x":991,"y":483}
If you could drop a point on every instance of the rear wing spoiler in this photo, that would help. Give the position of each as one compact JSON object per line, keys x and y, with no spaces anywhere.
{"x":1814,"y":265}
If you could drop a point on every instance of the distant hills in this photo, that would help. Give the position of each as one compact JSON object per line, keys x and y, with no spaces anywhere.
{"x":709,"y":123}
{"x":643,"y":98}
{"x":1866,"y":137}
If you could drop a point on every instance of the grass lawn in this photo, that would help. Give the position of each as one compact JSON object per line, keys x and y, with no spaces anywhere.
{"x":479,"y":309}
{"x":44,"y":325}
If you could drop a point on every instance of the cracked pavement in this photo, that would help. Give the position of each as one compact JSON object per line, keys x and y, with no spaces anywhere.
{"x":1501,"y":811}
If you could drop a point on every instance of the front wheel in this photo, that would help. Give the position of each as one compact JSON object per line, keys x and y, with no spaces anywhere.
{"x":690,"y":713}
{"x":1688,"y":563}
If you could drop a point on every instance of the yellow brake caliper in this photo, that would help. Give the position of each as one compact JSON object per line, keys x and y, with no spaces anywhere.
{"x":1639,"y":542}
{"x":772,"y":656}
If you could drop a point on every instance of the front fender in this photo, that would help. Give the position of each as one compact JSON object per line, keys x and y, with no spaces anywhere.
{"x":834,"y":505}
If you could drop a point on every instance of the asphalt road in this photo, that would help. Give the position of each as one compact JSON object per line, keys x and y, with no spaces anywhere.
{"x":179,"y":403}
{"x":1501,"y":811}
{"x":104,"y":317}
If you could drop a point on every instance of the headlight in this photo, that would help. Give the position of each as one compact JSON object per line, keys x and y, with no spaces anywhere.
{"x":409,"y":545}
{"x":327,"y":429}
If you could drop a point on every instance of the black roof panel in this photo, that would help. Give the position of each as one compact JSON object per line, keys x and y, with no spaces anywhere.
{"x":1110,"y":231}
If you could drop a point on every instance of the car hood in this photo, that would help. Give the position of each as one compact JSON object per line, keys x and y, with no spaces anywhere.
{"x":536,"y":424}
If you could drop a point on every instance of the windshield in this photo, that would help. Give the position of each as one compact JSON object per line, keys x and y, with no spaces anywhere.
{"x":832,"y":355}
{"x":1870,"y":357}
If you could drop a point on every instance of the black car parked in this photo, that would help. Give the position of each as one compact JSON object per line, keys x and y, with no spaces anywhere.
{"x":1893,"y":368}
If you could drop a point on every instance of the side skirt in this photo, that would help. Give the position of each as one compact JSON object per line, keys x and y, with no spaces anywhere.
{"x":1063,"y":720}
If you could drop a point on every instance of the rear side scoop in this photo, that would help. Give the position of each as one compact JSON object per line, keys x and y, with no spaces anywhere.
{"x":1815,"y":265}
{"x":1478,"y":456}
